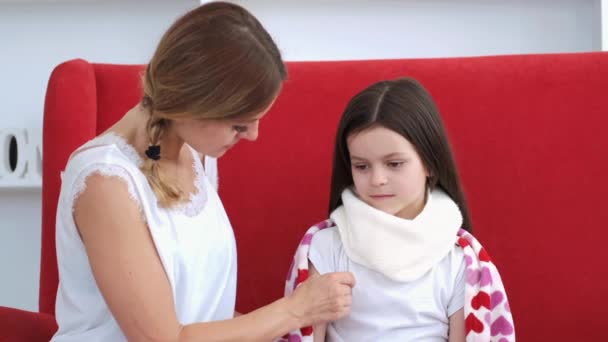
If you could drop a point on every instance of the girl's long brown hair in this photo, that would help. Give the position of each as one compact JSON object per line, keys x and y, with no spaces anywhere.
{"x":405,"y":107}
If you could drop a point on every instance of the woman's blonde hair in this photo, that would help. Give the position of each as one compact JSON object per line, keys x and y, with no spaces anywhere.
{"x":215,"y":62}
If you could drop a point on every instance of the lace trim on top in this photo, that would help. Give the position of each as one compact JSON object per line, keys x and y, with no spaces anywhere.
{"x":196,"y":201}
{"x":105,"y":170}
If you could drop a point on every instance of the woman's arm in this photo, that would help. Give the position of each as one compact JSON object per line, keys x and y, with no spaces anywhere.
{"x":319,"y":330}
{"x":456,"y":322}
{"x":133,"y":283}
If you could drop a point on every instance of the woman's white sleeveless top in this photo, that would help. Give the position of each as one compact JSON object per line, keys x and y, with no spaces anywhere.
{"x":195,"y":243}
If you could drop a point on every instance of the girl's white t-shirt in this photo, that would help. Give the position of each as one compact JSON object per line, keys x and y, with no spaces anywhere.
{"x":387,"y":310}
{"x":195,"y":243}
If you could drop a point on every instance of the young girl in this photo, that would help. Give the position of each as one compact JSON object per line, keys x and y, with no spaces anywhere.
{"x":399,"y":222}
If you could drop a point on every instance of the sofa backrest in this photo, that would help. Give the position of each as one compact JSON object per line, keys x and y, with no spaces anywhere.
{"x":527,"y":136}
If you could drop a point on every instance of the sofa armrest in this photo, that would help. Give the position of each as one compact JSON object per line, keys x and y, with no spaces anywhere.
{"x":25,"y":326}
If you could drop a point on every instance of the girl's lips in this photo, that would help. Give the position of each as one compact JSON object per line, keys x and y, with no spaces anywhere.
{"x":381,"y":196}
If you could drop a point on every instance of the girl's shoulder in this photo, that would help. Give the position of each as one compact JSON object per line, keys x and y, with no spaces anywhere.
{"x":327,"y":236}
{"x":325,"y":233}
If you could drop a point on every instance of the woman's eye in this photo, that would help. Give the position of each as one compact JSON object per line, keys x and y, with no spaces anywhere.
{"x":360,"y":167}
{"x":395,"y":164}
{"x":239,"y":129}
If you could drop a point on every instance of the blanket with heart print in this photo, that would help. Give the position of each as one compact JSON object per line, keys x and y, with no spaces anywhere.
{"x":486,"y":309}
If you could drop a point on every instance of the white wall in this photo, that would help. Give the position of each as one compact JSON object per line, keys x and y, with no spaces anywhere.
{"x":604,"y":23}
{"x":37,"y":35}
{"x":368,"y":29}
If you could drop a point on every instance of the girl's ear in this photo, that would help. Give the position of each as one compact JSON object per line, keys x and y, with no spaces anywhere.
{"x":428,"y":172}
{"x":430,"y":178}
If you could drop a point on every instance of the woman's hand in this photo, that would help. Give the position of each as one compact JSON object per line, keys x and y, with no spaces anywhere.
{"x":322,"y":298}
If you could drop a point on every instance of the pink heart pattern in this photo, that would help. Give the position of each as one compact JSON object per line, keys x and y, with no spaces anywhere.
{"x":482,"y":277}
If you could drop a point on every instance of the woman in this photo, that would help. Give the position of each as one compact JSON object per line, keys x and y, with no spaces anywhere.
{"x":144,"y":247}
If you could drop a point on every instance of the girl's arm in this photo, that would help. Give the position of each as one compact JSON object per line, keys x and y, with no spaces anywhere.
{"x":456,"y":330}
{"x":319,"y":330}
{"x":132,"y":280}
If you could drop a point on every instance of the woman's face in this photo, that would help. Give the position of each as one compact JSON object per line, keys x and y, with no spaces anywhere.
{"x":214,"y":137}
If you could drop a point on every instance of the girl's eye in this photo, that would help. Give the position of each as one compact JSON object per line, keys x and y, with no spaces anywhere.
{"x":395,"y":164}
{"x":239,"y":129}
{"x":361,"y":167}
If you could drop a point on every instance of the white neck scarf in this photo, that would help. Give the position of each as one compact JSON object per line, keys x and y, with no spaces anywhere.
{"x":401,"y":249}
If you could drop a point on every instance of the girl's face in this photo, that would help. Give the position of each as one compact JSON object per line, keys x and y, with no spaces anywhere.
{"x":388,"y":173}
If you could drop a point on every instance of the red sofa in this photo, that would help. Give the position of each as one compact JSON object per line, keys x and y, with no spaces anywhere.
{"x":527,"y":134}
